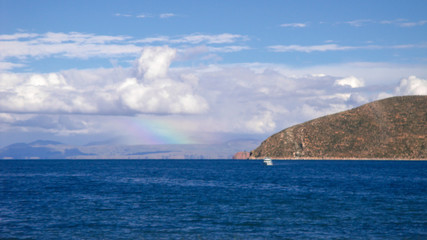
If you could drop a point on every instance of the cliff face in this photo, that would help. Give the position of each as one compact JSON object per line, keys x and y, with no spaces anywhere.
{"x":393,"y":128}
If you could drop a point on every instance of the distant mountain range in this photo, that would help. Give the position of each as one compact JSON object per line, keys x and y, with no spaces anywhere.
{"x":393,"y":128}
{"x":40,"y":149}
{"x":45,"y":149}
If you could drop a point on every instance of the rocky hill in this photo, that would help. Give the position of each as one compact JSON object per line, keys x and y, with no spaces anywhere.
{"x":241,"y":155}
{"x":393,"y":128}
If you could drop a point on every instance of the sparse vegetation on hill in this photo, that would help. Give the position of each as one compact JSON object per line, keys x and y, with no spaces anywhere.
{"x":393,"y":128}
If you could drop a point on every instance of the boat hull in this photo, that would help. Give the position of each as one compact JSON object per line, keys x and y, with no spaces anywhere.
{"x":268,"y":162}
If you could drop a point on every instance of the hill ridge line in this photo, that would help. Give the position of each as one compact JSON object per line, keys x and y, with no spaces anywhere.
{"x":392,"y":128}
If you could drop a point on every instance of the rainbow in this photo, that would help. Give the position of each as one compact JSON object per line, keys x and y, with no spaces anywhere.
{"x":139,"y":130}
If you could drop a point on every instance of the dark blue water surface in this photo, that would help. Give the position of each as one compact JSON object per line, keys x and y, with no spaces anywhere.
{"x":210,"y":199}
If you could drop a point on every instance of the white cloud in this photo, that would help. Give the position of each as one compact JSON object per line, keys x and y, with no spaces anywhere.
{"x":79,"y":38}
{"x":149,"y":91}
{"x":351,"y":81}
{"x":155,"y":61}
{"x":210,"y":39}
{"x":412,"y":86}
{"x":359,"y":22}
{"x":336,"y":47}
{"x":160,"y":97}
{"x":5,"y":66}
{"x":258,"y":100}
{"x":294,"y":25}
{"x":383,"y":95}
{"x":395,"y":21}
{"x":72,"y":45}
{"x":223,"y":38}
{"x":373,"y":73}
{"x":312,"y":111}
{"x":47,"y":93}
{"x":17,"y":36}
{"x":228,"y":49}
{"x":358,"y":99}
{"x":7,"y":118}
{"x":167,"y":15}
{"x":413,"y":24}
{"x":308,"y":49}
{"x":163,"y":39}
{"x":202,"y":100}
{"x":15,"y":49}
{"x":122,"y":15}
{"x":267,"y":98}
{"x":400,"y":22}
{"x":404,"y":22}
{"x":162,"y":15}
{"x":261,"y":123}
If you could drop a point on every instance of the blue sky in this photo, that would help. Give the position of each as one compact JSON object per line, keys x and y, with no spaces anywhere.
{"x":376,"y":30}
{"x":207,"y":71}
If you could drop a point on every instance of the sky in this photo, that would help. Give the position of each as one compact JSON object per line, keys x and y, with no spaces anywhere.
{"x":199,"y":72}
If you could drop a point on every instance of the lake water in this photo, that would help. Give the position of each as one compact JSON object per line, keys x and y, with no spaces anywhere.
{"x":212,"y":199}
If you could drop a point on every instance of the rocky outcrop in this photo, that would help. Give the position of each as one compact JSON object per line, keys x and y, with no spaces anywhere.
{"x":393,"y":128}
{"x":241,"y":155}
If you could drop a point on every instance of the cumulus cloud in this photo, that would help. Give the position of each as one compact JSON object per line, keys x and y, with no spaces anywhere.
{"x":351,"y":81}
{"x":155,"y":61}
{"x":259,"y":100}
{"x":5,"y":66}
{"x":200,"y":100}
{"x":43,"y":93}
{"x":149,"y":90}
{"x":266,"y":98}
{"x":261,"y":123}
{"x":311,"y":110}
{"x":412,"y":86}
{"x":160,"y":97}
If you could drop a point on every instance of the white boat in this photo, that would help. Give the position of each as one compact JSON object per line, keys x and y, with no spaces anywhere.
{"x":268,"y":161}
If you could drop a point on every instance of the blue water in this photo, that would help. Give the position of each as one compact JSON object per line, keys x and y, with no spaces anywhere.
{"x":224,"y":199}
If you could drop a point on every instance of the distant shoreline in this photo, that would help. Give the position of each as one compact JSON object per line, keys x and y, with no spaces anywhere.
{"x":347,"y":159}
{"x":208,"y":159}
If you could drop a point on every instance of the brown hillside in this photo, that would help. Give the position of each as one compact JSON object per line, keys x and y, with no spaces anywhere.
{"x":393,"y":128}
